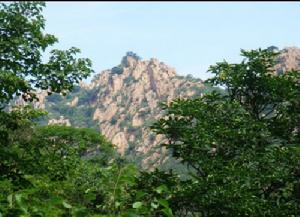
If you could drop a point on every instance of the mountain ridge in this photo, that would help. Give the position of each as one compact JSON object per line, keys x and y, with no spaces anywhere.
{"x":122,"y":102}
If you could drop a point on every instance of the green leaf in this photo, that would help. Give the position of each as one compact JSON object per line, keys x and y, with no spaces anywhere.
{"x":164,"y":203}
{"x":140,"y":194}
{"x":66,"y":205}
{"x":117,"y":204}
{"x":168,"y":212}
{"x":161,"y":188}
{"x":154,"y":205}
{"x":20,"y":202}
{"x":137,"y":205}
{"x":10,"y":200}
{"x":18,"y":199}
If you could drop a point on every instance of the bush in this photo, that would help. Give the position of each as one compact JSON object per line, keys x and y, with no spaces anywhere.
{"x":117,"y":70}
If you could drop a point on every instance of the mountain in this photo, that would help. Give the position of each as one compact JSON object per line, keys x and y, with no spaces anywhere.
{"x":122,"y":103}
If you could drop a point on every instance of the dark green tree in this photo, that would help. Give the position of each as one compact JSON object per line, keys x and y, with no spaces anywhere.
{"x":52,"y":170}
{"x":35,"y":164}
{"x":22,"y":72}
{"x":242,"y":147}
{"x":22,"y":45}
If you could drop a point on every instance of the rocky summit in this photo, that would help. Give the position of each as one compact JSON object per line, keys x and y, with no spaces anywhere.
{"x":123,"y":102}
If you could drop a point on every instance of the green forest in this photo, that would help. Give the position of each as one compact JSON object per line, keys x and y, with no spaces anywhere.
{"x":240,"y":148}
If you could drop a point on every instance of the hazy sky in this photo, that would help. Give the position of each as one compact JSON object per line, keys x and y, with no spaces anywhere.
{"x":189,"y":36}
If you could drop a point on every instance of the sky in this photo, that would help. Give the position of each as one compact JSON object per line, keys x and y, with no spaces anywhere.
{"x":189,"y":36}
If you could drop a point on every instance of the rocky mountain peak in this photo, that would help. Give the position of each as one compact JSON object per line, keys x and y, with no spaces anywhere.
{"x":130,"y":59}
{"x":122,"y":102}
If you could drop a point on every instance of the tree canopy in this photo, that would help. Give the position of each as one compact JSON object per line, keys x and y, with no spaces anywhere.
{"x":23,"y":43}
{"x":243,"y":146}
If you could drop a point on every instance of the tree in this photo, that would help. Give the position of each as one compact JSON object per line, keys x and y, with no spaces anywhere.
{"x":134,"y":55}
{"x":51,"y":170}
{"x":268,"y":98}
{"x":242,"y":147}
{"x":22,"y":46}
{"x":124,"y":61}
{"x":34,"y":168}
{"x":22,"y":71}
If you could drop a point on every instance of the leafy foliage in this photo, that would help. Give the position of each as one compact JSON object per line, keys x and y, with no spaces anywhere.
{"x":51,"y":170}
{"x":22,"y":44}
{"x":117,"y":70}
{"x":124,"y":62}
{"x":243,"y":147}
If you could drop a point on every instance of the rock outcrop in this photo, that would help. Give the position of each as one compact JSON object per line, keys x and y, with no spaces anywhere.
{"x":124,"y":101}
{"x":61,"y":121}
{"x":289,"y":59}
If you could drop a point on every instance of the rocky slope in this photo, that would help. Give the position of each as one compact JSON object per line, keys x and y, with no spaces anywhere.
{"x":289,"y":59}
{"x":122,"y":102}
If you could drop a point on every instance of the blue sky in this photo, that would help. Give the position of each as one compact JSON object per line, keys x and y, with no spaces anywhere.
{"x":189,"y":36}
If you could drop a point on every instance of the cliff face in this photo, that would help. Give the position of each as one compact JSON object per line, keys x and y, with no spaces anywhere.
{"x":127,"y":102}
{"x":122,"y":102}
{"x":289,"y":59}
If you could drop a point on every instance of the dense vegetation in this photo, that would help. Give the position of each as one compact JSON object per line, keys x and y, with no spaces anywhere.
{"x":241,"y":148}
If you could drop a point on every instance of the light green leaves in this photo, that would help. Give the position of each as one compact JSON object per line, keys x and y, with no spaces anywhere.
{"x":66,"y":205}
{"x":23,"y":40}
{"x":162,"y":188}
{"x":166,"y":210}
{"x":10,"y":200}
{"x":137,"y":205}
